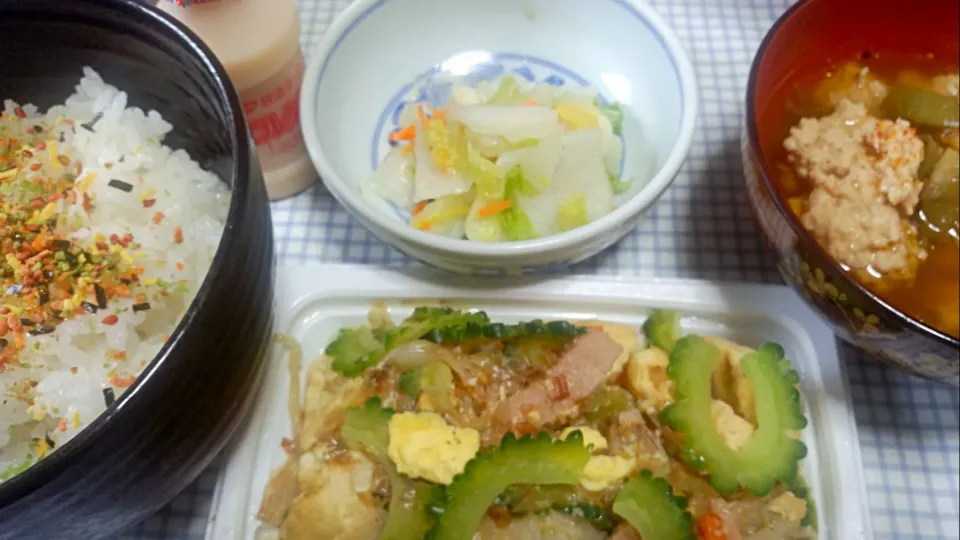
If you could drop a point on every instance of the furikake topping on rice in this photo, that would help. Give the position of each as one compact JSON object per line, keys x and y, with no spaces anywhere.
{"x":105,"y":236}
{"x":48,"y":276}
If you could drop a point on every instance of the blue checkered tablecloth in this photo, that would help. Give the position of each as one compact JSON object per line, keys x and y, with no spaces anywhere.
{"x":701,"y":228}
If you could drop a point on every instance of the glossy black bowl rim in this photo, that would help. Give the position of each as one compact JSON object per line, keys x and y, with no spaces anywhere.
{"x":48,"y":467}
{"x":798,"y":229}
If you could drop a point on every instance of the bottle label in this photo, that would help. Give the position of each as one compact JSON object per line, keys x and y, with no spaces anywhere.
{"x":273,"y":115}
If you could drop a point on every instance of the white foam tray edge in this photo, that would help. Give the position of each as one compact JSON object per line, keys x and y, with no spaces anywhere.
{"x":711,"y":306}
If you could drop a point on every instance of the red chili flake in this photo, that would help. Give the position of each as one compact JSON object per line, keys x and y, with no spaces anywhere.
{"x":110,"y":320}
{"x":36,"y":258}
{"x":14,"y":323}
{"x":35,"y":166}
{"x":158,"y":217}
{"x":114,"y":239}
{"x":121,"y":382}
{"x":560,"y":388}
{"x":147,"y":203}
{"x":74,"y":370}
{"x":178,"y":235}
{"x":19,"y":112}
{"x":287,"y":445}
{"x":179,"y":267}
{"x":86,"y":202}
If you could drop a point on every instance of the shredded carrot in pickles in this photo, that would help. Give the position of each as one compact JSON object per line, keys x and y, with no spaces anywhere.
{"x":408,"y":133}
{"x":495,"y":208}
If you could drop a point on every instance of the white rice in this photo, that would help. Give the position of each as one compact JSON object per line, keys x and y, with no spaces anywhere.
{"x":55,"y":386}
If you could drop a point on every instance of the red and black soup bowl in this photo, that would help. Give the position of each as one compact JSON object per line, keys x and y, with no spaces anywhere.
{"x":806,"y":41}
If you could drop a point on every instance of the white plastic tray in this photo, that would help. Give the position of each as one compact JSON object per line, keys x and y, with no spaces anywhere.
{"x":313,"y":302}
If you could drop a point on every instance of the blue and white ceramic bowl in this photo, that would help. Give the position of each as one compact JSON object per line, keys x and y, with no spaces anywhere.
{"x":377,"y":53}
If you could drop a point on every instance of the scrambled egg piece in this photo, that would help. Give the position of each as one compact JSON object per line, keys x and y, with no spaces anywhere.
{"x":423,"y":445}
{"x":729,"y":382}
{"x":647,"y":378}
{"x":602,"y":472}
{"x":590,"y":436}
{"x":789,"y":506}
{"x":735,"y":430}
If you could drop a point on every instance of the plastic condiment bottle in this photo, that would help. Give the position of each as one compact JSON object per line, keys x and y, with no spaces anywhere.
{"x":258,"y":42}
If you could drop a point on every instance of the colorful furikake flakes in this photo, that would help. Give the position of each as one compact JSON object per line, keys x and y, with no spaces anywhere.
{"x":106,"y":235}
{"x":47,"y":276}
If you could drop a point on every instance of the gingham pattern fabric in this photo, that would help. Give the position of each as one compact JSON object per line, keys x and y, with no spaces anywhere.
{"x":701,"y":228}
